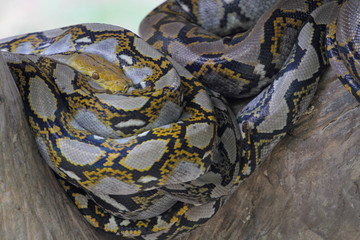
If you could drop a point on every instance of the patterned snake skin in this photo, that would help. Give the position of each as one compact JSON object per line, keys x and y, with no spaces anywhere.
{"x":143,"y":140}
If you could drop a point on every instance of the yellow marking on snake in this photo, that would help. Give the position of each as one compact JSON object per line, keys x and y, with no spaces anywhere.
{"x":108,"y":75}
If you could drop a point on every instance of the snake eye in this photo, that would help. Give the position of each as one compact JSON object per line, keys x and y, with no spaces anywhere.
{"x":95,"y":76}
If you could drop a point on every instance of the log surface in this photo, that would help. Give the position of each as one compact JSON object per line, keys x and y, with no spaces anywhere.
{"x":309,"y":188}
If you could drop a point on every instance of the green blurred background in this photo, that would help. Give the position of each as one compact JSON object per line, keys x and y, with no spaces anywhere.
{"x":23,"y":16}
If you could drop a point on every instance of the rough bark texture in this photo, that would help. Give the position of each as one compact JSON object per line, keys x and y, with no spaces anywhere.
{"x":307,"y":189}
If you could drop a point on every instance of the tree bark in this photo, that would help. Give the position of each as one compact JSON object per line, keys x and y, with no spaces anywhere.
{"x":307,"y":189}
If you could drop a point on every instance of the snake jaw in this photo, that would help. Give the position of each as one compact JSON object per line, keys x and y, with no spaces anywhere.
{"x":107,"y":74}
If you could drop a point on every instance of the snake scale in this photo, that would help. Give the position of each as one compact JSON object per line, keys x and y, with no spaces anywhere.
{"x":140,"y":131}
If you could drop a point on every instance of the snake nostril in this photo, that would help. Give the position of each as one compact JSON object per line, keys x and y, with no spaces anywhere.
{"x":96,"y":75}
{"x":227,"y":40}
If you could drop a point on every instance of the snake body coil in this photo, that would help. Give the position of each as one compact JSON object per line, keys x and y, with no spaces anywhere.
{"x":143,"y":140}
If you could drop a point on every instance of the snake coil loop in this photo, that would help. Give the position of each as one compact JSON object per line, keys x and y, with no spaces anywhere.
{"x":143,"y":140}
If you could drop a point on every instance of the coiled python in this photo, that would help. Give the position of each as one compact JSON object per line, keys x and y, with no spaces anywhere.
{"x":143,"y":140}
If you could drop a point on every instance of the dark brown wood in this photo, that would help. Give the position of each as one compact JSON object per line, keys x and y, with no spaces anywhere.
{"x":307,"y":189}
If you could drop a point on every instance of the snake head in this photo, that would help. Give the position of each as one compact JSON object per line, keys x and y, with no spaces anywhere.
{"x":107,"y":74}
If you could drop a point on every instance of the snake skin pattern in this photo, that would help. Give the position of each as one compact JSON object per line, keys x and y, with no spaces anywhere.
{"x":343,"y":45}
{"x":143,"y":140}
